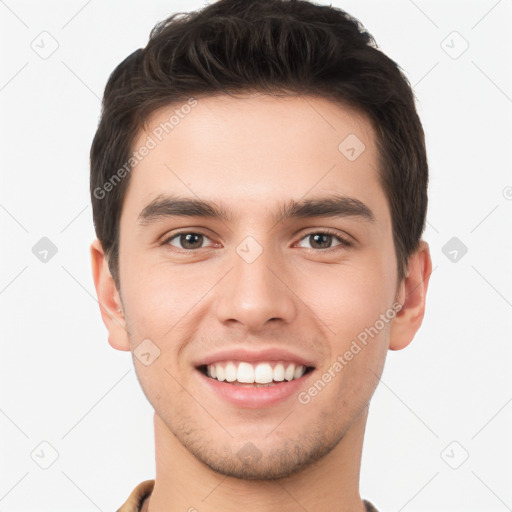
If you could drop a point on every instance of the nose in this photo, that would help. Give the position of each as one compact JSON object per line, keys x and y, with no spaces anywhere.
{"x":255,"y":292}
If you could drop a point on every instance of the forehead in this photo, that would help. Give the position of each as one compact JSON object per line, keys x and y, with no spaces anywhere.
{"x":255,"y":150}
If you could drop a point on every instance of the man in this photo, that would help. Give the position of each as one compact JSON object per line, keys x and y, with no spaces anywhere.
{"x":259,"y":189}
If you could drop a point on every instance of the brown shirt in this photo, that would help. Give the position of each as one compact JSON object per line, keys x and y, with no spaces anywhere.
{"x":138,"y":499}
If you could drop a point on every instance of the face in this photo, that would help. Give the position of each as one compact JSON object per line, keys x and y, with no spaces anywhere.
{"x":298,"y":270}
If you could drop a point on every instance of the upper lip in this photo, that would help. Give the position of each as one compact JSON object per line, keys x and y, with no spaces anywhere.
{"x":254,"y":356}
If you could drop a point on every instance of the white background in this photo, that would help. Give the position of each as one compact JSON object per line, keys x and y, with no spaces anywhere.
{"x":61,"y":382}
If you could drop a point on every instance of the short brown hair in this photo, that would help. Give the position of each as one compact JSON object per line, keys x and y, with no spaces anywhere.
{"x":271,"y":46}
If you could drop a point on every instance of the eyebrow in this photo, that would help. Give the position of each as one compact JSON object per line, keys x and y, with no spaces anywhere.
{"x":167,"y":206}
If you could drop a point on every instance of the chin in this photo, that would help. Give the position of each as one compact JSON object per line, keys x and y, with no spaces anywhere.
{"x":264,"y":463}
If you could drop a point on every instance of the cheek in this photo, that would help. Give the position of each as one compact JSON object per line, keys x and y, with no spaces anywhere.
{"x":158,"y":297}
{"x":346,"y":300}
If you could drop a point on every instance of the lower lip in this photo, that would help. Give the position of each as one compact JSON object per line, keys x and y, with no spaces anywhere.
{"x":253,"y":397}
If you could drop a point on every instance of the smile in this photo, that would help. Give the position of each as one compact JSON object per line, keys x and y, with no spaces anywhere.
{"x":262,"y":373}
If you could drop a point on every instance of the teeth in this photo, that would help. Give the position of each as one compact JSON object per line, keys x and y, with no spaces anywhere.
{"x":261,"y":373}
{"x":230,"y":372}
{"x":245,"y":373}
{"x":221,"y":374}
{"x":279,"y":372}
{"x":299,"y":372}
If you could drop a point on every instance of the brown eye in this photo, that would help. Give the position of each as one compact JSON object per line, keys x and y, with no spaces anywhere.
{"x":187,"y":240}
{"x":322,"y":240}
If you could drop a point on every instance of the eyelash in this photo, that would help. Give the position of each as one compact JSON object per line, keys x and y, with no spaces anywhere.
{"x":344,"y":243}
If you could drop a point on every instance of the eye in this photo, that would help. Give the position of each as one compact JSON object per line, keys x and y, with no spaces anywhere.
{"x":322,"y":240}
{"x":187,"y":240}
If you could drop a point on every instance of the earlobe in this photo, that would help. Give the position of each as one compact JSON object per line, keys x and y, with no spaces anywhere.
{"x":111,"y":307}
{"x":412,"y":296}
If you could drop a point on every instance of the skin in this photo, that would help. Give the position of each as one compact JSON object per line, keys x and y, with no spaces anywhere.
{"x":250,"y":154}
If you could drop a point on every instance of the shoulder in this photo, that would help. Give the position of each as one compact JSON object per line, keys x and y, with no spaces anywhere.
{"x":134,"y":501}
{"x":369,"y":506}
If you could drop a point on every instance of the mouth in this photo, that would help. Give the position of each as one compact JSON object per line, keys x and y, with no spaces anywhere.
{"x":251,"y":379}
{"x":255,"y":375}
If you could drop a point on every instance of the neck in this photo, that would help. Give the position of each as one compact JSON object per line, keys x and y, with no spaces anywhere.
{"x":184,"y":483}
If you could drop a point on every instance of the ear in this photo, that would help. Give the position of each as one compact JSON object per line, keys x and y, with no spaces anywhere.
{"x":412,"y":294}
{"x":109,"y":299}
